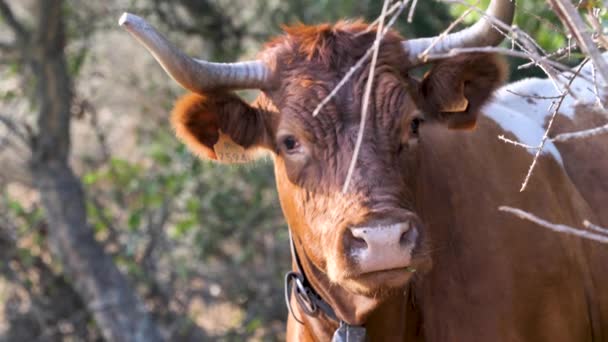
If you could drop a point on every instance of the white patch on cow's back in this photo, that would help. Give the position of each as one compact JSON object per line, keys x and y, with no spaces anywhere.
{"x":527,"y":117}
{"x":525,"y":128}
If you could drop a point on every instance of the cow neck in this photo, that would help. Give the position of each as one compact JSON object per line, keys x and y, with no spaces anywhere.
{"x":340,"y":312}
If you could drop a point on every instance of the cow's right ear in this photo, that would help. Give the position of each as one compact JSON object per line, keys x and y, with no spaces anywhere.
{"x":455,"y":89}
{"x":221,"y":127}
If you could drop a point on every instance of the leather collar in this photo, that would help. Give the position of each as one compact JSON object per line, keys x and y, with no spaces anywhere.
{"x":311,"y":303}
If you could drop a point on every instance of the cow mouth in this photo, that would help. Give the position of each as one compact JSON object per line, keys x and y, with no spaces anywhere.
{"x":372,"y":283}
{"x":387,"y":272}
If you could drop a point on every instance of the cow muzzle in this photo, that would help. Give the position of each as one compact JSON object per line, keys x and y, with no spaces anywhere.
{"x":382,"y":247}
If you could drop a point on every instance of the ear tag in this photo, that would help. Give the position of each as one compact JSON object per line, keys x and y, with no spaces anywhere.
{"x":456,"y":107}
{"x":227,"y":151}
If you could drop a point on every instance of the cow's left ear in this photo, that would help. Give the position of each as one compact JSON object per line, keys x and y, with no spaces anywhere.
{"x":222,"y":127}
{"x":454,"y":90}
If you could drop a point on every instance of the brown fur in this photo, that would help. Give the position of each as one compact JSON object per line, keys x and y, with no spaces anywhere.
{"x":493,"y":277}
{"x":587,"y":161}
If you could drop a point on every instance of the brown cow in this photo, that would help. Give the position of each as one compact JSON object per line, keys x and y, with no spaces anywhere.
{"x":415,"y":249}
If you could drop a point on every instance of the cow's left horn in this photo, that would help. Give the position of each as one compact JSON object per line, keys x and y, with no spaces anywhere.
{"x":483,"y":33}
{"x":194,"y":74}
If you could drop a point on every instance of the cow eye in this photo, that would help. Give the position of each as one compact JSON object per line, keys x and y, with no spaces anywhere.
{"x":290,"y":143}
{"x":412,"y":137}
{"x":415,"y":125}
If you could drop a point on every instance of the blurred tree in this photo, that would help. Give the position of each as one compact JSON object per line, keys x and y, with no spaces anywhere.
{"x":117,"y":310}
{"x":227,"y":26}
{"x":52,"y":300}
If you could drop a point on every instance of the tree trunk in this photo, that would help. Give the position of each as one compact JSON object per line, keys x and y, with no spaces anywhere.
{"x":118,"y":311}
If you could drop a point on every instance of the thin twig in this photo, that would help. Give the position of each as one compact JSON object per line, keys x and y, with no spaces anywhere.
{"x":517,"y":143}
{"x":366,"y":96}
{"x":492,"y":49}
{"x":533,"y":96}
{"x":593,"y":19}
{"x":410,"y":15}
{"x":588,"y":133}
{"x":595,"y":227}
{"x":555,"y":227}
{"x":357,"y":65}
{"x":596,"y":90}
{"x":573,"y":21}
{"x":529,"y":45}
{"x":584,"y":134}
{"x":549,"y":125}
{"x":390,"y":11}
{"x":528,"y":39}
{"x":444,"y":33}
{"x":555,"y":53}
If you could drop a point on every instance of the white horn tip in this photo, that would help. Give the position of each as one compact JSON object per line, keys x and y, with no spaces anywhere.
{"x":126,"y":18}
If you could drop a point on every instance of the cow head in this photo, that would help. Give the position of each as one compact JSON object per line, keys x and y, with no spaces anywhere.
{"x":369,"y":238}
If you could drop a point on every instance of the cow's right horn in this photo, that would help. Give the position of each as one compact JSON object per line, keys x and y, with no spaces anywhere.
{"x":483,"y":33}
{"x":194,"y":74}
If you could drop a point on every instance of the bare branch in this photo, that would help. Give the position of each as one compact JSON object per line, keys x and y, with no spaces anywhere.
{"x":549,"y":125}
{"x":11,"y":20}
{"x":503,"y":51}
{"x":588,"y":133}
{"x":594,"y":21}
{"x":538,"y":97}
{"x":596,"y":90}
{"x":595,"y":227}
{"x":410,"y":15}
{"x":516,"y":143}
{"x":357,"y":65}
{"x":396,"y":6}
{"x":555,"y":227}
{"x":546,"y":65}
{"x":559,"y":52}
{"x":424,"y":55}
{"x":584,"y":134}
{"x":572,"y":19}
{"x":368,"y":89}
{"x":521,"y":40}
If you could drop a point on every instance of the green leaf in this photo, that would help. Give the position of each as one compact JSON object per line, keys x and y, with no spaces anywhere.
{"x":254,"y":325}
{"x":91,"y":178}
{"x":184,"y":226}
{"x":134,"y":220}
{"x":16,"y":207}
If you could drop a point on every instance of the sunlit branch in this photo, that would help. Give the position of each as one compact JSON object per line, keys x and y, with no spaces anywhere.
{"x":554,"y":227}
{"x":366,"y":96}
{"x":557,"y":106}
{"x":568,"y":14}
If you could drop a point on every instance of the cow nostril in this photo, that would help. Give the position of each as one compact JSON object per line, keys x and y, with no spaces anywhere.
{"x":408,"y":236}
{"x":403,"y":237}
{"x":359,"y":242}
{"x":355,"y":242}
